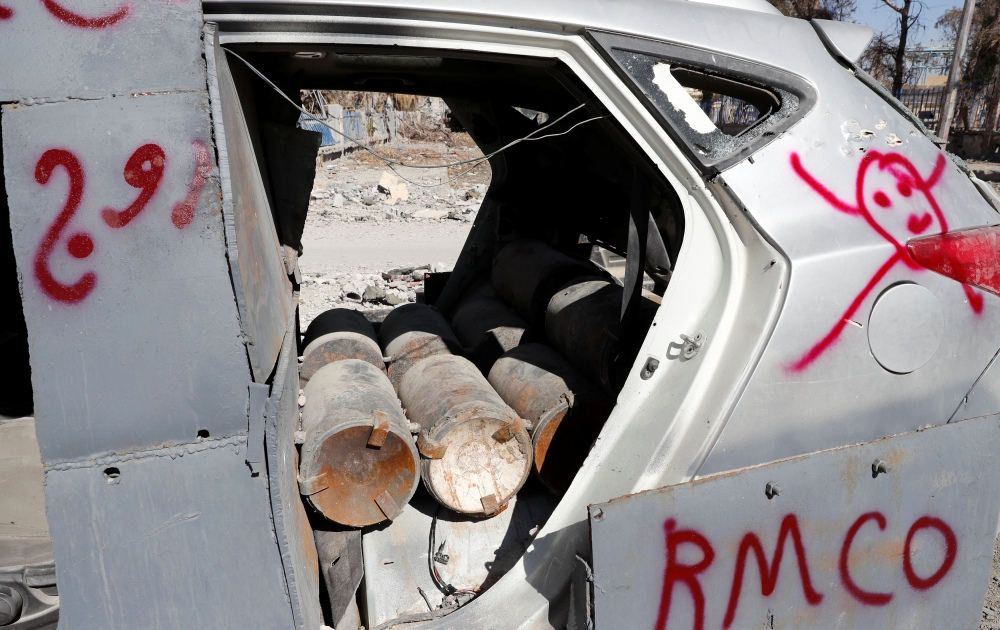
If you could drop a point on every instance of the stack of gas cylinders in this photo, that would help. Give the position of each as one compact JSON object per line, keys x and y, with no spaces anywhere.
{"x":519,"y":377}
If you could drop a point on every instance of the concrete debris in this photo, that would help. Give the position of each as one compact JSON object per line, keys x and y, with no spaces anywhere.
{"x":363,"y":291}
{"x":360,"y":193}
{"x":393,"y":186}
{"x":373,"y":293}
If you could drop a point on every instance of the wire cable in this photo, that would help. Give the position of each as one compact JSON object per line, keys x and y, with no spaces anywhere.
{"x":391,"y":163}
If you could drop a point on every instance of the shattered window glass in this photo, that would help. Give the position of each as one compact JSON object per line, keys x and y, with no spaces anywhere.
{"x":716,"y":115}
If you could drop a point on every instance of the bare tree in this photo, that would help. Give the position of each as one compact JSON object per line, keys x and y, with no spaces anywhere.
{"x":983,"y":52}
{"x":840,"y":10}
{"x":908,"y":12}
{"x":878,"y":60}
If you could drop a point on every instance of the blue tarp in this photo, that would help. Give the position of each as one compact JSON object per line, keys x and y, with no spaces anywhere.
{"x":354,"y":128}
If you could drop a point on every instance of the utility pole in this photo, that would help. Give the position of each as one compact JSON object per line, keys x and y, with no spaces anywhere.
{"x":955,"y":73}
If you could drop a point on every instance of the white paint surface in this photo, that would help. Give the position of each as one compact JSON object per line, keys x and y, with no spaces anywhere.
{"x":679,"y":98}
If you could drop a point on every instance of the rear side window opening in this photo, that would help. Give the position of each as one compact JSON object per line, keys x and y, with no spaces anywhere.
{"x":720,"y":109}
{"x":575,"y":239}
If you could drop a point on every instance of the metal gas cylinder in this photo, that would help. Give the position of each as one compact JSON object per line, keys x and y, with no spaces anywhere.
{"x":358,"y":464}
{"x":336,"y":335}
{"x":486,"y":326}
{"x":476,"y":452}
{"x":526,"y":273}
{"x":583,"y":322}
{"x":413,"y":332}
{"x":565,"y":409}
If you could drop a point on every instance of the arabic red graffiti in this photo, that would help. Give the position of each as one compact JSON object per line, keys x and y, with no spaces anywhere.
{"x":893,"y":175}
{"x":144,"y":170}
{"x":690,"y":574}
{"x":80,"y":245}
{"x":5,"y":13}
{"x":183,"y":212}
{"x":75,"y":19}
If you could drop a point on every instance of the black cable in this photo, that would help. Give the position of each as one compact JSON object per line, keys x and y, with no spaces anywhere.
{"x":442,"y":586}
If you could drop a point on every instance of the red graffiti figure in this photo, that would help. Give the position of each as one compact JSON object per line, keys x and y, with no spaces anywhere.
{"x":684,"y":573}
{"x":66,"y":16}
{"x":80,"y":245}
{"x":769,"y":576}
{"x":183,"y":212}
{"x":144,"y":170}
{"x":881,"y":178}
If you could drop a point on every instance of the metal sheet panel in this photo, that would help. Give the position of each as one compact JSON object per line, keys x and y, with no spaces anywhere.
{"x":263,"y":291}
{"x":480,"y":552}
{"x":134,"y":335}
{"x":839,"y":547}
{"x":291,"y":525}
{"x":180,"y":538}
{"x":96,"y":48}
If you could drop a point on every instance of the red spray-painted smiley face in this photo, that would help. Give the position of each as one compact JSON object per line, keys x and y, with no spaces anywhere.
{"x":898,"y":203}
{"x":897,"y":200}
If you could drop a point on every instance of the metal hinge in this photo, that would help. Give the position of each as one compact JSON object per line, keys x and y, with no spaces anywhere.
{"x":692,"y":344}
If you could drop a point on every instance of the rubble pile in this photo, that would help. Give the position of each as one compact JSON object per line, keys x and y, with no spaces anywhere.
{"x":348,"y":197}
{"x":321,"y":291}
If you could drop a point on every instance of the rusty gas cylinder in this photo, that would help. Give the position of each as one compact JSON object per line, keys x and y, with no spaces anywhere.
{"x":486,"y":326}
{"x":359,"y":463}
{"x":565,"y":409}
{"x":336,"y":335}
{"x":526,"y":273}
{"x":475,"y":451}
{"x":413,"y":332}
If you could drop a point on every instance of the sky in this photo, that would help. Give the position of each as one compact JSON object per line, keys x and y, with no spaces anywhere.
{"x":875,"y":14}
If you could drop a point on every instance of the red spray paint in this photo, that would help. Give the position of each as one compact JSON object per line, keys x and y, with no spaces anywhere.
{"x":183,"y":212}
{"x":907,"y":181}
{"x":868,"y":598}
{"x":686,"y":574}
{"x":80,"y":245}
{"x":769,"y":576}
{"x":75,"y":19}
{"x":5,"y":13}
{"x":951,"y":550}
{"x":144,"y":170}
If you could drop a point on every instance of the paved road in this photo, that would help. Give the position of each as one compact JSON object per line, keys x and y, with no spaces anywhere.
{"x":375,"y":247}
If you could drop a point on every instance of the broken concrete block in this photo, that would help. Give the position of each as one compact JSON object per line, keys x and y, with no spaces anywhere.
{"x":394,"y":297}
{"x":391,"y":185}
{"x":373,"y":293}
{"x":338,"y":200}
{"x":354,"y":291}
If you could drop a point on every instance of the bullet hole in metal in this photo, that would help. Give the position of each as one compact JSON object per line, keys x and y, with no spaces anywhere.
{"x":112,"y":475}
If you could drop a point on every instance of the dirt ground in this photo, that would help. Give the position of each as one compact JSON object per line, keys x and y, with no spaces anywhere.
{"x":366,"y":246}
